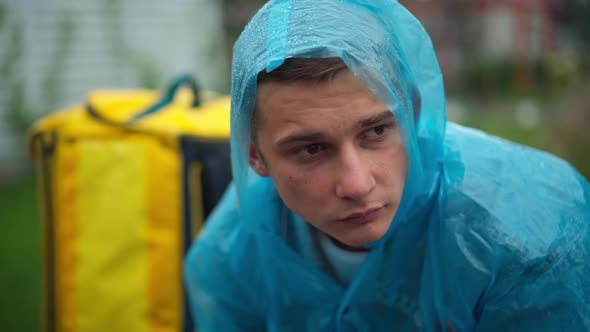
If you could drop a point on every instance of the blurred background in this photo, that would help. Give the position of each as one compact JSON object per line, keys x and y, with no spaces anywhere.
{"x":519,"y":69}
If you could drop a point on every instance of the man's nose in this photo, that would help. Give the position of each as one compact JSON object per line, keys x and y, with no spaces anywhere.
{"x":354,"y":179}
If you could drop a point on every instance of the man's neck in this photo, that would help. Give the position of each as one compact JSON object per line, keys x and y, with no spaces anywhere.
{"x":347,"y":247}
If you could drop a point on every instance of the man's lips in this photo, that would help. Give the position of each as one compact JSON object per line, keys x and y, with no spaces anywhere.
{"x":362,"y":217}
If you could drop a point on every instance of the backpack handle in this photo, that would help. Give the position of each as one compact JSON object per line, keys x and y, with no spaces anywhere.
{"x":184,"y":80}
{"x":167,"y":98}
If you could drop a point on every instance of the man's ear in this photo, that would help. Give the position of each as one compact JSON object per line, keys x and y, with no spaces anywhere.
{"x":257,"y":162}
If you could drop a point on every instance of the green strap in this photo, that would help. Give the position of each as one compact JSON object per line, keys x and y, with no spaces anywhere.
{"x":167,"y":98}
{"x":184,"y":80}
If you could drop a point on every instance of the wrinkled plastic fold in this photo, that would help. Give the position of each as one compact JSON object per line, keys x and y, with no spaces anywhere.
{"x":489,"y":235}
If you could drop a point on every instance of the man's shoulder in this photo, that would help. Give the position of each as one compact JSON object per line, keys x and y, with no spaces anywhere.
{"x":514,"y":198}
{"x":506,"y":162}
{"x":501,"y":175}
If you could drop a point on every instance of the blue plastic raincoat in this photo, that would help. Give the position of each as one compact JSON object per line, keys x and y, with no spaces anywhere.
{"x":489,"y":235}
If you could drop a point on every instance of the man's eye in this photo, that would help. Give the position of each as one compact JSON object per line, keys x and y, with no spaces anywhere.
{"x":377,"y":132}
{"x":310,"y":150}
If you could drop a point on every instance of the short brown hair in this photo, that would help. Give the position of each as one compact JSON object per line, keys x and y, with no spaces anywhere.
{"x":306,"y":70}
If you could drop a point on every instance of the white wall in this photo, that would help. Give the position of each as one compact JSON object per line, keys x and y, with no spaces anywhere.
{"x":111,"y":43}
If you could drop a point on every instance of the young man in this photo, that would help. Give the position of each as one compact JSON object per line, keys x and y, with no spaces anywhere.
{"x":356,"y":207}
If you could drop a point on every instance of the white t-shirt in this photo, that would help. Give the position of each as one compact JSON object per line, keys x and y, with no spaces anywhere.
{"x":344,"y":263}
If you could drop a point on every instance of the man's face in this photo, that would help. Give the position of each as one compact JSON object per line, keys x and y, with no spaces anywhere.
{"x":334,"y":153}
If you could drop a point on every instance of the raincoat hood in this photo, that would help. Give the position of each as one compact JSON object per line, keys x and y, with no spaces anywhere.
{"x":381,"y":43}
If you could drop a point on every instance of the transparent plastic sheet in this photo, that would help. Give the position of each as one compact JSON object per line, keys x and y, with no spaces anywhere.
{"x":489,"y":235}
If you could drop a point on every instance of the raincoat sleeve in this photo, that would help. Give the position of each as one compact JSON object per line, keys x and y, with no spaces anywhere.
{"x":219,"y":300}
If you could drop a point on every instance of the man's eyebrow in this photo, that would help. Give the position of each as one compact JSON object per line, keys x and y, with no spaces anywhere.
{"x":373,"y":120}
{"x":299,"y":138}
{"x":317,"y":136}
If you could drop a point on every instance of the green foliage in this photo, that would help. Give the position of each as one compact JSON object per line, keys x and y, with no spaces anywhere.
{"x":2,"y":13}
{"x":571,"y":138}
{"x":12,"y":81}
{"x":20,"y":257}
{"x":512,"y":78}
{"x":17,"y":113}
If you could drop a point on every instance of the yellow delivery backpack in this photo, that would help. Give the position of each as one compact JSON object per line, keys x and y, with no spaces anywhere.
{"x":126,"y":182}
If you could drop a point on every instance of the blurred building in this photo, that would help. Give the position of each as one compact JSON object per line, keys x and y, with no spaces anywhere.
{"x":54,"y":51}
{"x":522,"y":28}
{"x":463,"y":30}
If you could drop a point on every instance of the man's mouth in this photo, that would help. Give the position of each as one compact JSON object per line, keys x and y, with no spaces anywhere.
{"x":362,"y":217}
